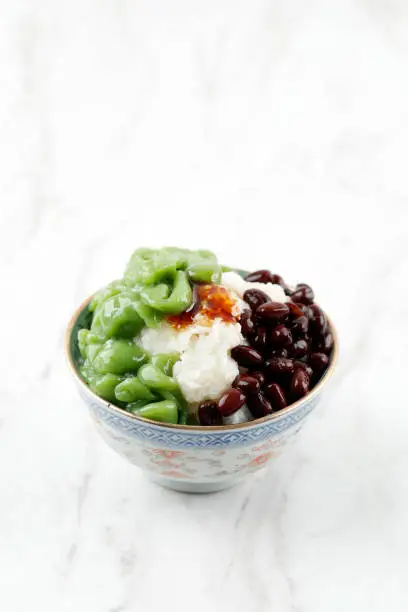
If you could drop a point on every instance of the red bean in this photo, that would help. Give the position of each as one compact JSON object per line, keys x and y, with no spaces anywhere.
{"x":265,"y":276}
{"x":259,"y":276}
{"x":276,"y":279}
{"x":247,"y":324}
{"x":231,"y":401}
{"x":260,"y":376}
{"x":328,"y":342}
{"x":299,"y":321}
{"x":319,"y":362}
{"x":279,"y":365}
{"x":303,"y":294}
{"x":295,"y":310}
{"x":299,"y":348}
{"x":280,"y":336}
{"x":246,"y":355}
{"x":304,"y":366}
{"x":255,"y":297}
{"x":247,"y":384}
{"x":261,"y":337}
{"x":299,"y":385}
{"x":324,"y":344}
{"x":259,"y":405}
{"x":318,"y":320}
{"x":307,"y":311}
{"x":300,"y":326}
{"x":277,"y":396}
{"x":272,"y":311}
{"x":208,"y":413}
{"x":278,"y":352}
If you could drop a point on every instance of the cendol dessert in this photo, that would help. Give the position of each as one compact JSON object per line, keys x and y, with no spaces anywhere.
{"x":182,"y":339}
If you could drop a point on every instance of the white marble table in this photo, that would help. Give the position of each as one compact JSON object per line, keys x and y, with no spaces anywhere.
{"x":276,"y":134}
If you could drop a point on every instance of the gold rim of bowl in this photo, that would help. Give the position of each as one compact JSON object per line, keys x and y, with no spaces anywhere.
{"x":202,"y":428}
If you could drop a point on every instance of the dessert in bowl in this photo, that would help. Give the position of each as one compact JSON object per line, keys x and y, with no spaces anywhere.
{"x":198,"y":373}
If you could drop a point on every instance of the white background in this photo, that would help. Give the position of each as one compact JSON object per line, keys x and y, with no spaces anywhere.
{"x":275,"y":133}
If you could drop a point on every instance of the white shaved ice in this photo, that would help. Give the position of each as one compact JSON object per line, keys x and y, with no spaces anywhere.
{"x":206,"y":368}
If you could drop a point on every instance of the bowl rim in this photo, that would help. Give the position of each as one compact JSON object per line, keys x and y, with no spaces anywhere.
{"x":201,"y":428}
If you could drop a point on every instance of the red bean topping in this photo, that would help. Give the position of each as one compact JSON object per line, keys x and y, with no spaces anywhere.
{"x":278,"y":280}
{"x":255,"y":297}
{"x":295,"y":310}
{"x":279,"y":365}
{"x":280,"y":336}
{"x":299,"y":385}
{"x":304,"y":366}
{"x":299,"y":321}
{"x":208,"y":413}
{"x":324,"y":344}
{"x":300,"y":326}
{"x":259,"y":276}
{"x":318,"y":320}
{"x":247,"y":384}
{"x":259,"y":405}
{"x":303,"y":294}
{"x":272,"y":311}
{"x":265,"y":276}
{"x":246,"y":355}
{"x":260,"y":376}
{"x":328,"y":342}
{"x":299,"y":348}
{"x":261,"y":337}
{"x":277,"y":396}
{"x":278,"y":352}
{"x":290,"y":342}
{"x":247,"y":324}
{"x":319,"y":362}
{"x":231,"y":401}
{"x":307,"y":311}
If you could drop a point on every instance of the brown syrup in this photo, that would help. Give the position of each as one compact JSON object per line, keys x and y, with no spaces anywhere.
{"x":210,"y":302}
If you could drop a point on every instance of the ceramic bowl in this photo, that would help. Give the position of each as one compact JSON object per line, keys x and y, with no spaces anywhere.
{"x":185,"y":457}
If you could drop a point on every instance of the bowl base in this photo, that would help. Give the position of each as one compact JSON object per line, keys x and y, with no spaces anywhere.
{"x":194,"y":487}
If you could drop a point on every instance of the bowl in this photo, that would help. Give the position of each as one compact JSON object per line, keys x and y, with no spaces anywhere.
{"x":192,"y":458}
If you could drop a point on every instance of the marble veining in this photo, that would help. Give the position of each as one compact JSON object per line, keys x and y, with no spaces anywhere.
{"x":273,"y":132}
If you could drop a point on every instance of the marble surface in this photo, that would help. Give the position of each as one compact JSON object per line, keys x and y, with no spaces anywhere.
{"x":273,"y":132}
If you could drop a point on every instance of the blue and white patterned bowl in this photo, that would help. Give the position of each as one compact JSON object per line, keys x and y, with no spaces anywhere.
{"x":186,"y":457}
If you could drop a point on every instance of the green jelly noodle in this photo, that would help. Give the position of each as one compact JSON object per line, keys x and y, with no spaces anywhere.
{"x":156,"y":283}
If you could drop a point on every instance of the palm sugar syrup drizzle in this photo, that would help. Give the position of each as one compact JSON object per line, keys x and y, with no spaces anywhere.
{"x":209,"y":302}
